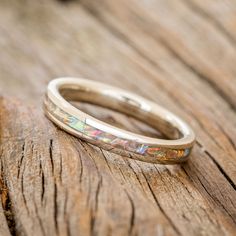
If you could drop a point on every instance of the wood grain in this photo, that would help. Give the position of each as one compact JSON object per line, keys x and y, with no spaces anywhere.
{"x":4,"y":230}
{"x":177,"y":25}
{"x":163,"y":50}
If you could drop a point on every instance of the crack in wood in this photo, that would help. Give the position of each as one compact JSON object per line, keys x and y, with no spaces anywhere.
{"x":94,"y":211}
{"x":217,"y":201}
{"x":159,"y":205}
{"x":105,"y":158}
{"x":209,"y":194}
{"x":132,"y":215}
{"x":136,"y":175}
{"x":221,"y":170}
{"x":55,"y":208}
{"x":43,"y":180}
{"x":21,"y":159}
{"x":51,"y":154}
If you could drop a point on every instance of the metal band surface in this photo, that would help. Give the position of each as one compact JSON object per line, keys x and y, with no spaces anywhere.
{"x":58,"y":109}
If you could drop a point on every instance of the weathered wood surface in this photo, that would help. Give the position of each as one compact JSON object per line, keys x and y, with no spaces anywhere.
{"x":4,"y":230}
{"x":180,"y":54}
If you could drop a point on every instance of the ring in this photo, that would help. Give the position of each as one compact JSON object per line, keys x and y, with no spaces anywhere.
{"x":175,"y":149}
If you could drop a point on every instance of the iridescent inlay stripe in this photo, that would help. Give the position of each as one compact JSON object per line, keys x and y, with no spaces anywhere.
{"x":97,"y":134}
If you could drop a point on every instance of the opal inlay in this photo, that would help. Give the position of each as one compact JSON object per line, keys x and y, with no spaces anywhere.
{"x":129,"y":145}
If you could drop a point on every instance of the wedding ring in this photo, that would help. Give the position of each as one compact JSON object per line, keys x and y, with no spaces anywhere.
{"x":58,"y":108}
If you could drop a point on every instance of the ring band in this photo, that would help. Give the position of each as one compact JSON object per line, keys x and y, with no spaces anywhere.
{"x":58,"y":109}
